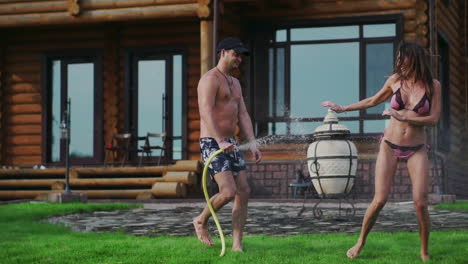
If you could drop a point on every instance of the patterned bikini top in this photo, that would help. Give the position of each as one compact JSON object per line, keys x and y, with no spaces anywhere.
{"x":421,"y":108}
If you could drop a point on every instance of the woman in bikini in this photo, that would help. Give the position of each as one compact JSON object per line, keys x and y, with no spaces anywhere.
{"x":415,"y":103}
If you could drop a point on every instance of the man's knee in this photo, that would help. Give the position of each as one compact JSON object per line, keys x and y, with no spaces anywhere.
{"x":228,"y":193}
{"x":244,"y":191}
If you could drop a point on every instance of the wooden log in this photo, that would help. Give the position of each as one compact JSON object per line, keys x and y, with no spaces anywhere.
{"x":23,"y":160}
{"x":194,"y":146}
{"x":38,"y":7}
{"x":102,"y":15}
{"x":24,"y":109}
{"x":24,"y":150}
{"x":145,"y":196}
{"x":23,"y":78}
{"x":194,"y":125}
{"x":192,"y":103}
{"x":187,"y":177}
{"x":109,"y":4}
{"x":58,"y":185}
{"x":23,"y":57}
{"x":152,"y":171}
{"x":24,"y":129}
{"x":23,"y":88}
{"x":345,"y":8}
{"x":32,"y":173}
{"x":169,"y":189}
{"x":186,"y":165}
{"x":24,"y":140}
{"x":15,"y":195}
{"x":193,"y":114}
{"x":116,"y":182}
{"x":194,"y":135}
{"x":24,"y":68}
{"x":24,"y":98}
{"x":206,"y":45}
{"x":29,"y":183}
{"x":176,"y":40}
{"x":24,"y":119}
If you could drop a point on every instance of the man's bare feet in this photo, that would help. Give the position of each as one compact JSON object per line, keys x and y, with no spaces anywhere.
{"x":202,"y":232}
{"x":354,"y":251}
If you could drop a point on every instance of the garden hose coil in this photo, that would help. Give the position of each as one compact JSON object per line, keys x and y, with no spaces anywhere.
{"x":207,"y":197}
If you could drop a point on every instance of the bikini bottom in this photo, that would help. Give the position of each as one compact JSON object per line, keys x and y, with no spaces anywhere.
{"x":404,"y":152}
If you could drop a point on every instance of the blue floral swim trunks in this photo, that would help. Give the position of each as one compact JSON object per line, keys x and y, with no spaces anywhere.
{"x":233,"y":162}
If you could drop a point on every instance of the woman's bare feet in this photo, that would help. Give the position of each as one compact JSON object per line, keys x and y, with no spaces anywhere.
{"x":237,"y":248}
{"x":202,"y":232}
{"x":425,"y":256}
{"x":354,"y":251}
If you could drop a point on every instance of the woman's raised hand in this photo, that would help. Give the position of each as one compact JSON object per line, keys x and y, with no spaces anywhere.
{"x":335,"y":107}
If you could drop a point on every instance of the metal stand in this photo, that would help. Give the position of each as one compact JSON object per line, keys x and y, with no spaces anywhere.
{"x":342,"y":199}
{"x":65,"y":133}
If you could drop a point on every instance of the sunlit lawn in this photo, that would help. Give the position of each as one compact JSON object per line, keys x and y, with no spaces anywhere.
{"x":458,"y":205}
{"x":24,"y":238}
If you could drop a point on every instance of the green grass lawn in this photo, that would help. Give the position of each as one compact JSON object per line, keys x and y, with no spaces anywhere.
{"x":458,"y":205}
{"x":24,"y":238}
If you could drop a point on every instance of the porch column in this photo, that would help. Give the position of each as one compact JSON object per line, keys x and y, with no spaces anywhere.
{"x":206,"y":46}
{"x":206,"y":36}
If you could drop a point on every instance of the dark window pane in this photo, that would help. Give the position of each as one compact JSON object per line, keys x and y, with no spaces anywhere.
{"x":379,"y":64}
{"x":81,"y":93}
{"x":379,"y":30}
{"x":323,"y":72}
{"x":324,"y":33}
{"x":56,"y":115}
{"x":151,"y":87}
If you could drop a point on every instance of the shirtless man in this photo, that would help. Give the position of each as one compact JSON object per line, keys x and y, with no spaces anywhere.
{"x":222,"y":109}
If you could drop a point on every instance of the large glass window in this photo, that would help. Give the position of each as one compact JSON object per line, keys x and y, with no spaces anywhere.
{"x":307,"y":65}
{"x":74,"y":78}
{"x":156,"y":99}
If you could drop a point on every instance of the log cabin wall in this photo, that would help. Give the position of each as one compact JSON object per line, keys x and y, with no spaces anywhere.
{"x":23,"y":65}
{"x":451,"y":29}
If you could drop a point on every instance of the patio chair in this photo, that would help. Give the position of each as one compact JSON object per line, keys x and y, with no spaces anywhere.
{"x":149,"y":146}
{"x":118,"y":148}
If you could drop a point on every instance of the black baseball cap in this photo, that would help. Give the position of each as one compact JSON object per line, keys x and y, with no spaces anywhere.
{"x":234,"y":44}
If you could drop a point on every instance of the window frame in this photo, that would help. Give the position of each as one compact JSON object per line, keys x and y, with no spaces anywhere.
{"x":261,"y":79}
{"x":71,"y":56}
{"x":132,"y":55}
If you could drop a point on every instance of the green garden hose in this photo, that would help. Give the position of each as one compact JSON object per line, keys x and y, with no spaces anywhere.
{"x":207,"y":197}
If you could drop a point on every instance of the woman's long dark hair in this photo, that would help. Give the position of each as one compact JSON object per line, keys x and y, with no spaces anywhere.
{"x":418,"y":63}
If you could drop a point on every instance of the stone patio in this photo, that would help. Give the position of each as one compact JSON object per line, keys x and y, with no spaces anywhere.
{"x":269,"y":218}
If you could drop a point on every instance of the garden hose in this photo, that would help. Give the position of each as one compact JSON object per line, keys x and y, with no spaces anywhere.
{"x":207,"y":197}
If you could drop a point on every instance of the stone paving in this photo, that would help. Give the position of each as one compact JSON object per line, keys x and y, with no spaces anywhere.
{"x":269,"y":218}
